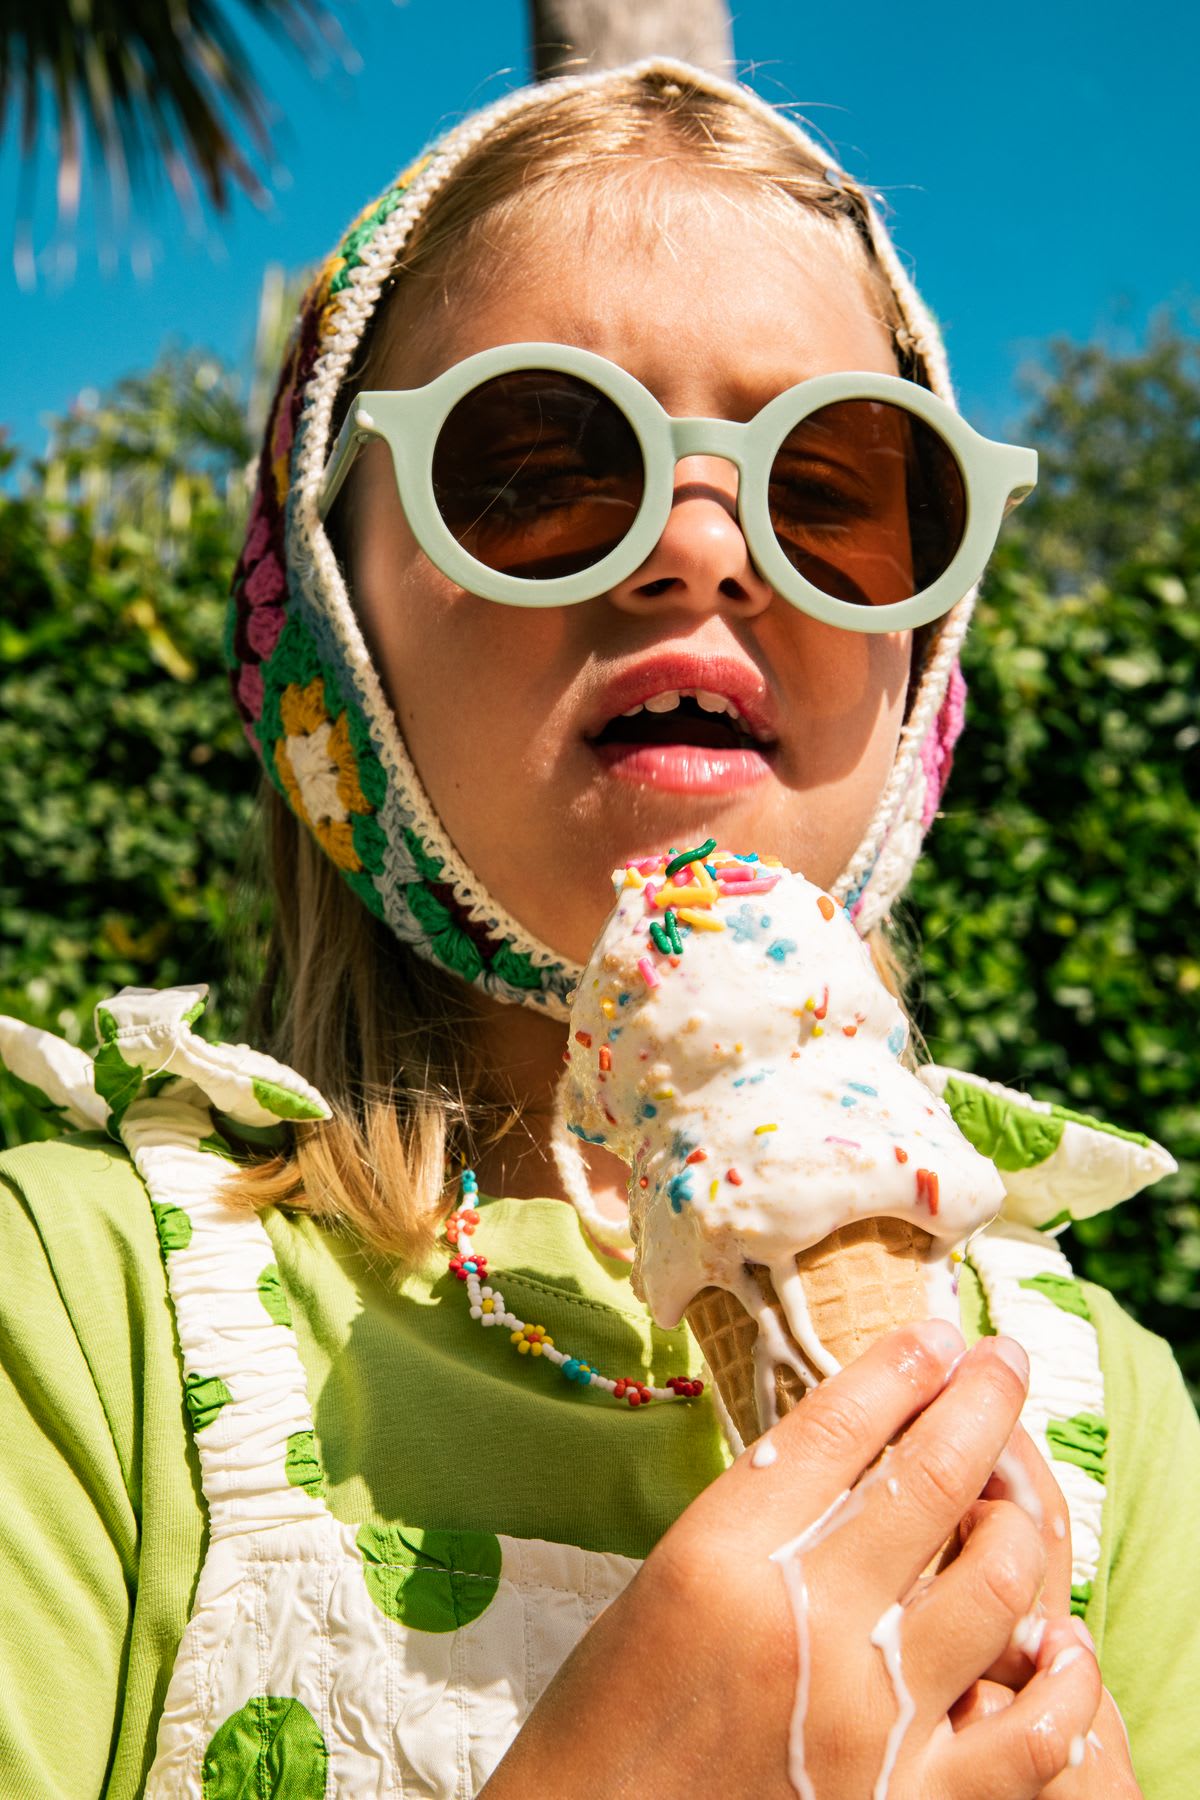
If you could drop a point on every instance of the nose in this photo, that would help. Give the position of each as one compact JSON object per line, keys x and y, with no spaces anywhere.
{"x":701,"y":563}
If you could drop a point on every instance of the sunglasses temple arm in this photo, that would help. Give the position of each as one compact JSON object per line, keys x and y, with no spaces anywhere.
{"x":358,"y":427}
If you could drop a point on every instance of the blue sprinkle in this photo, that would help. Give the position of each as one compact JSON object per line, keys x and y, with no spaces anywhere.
{"x":743,"y":925}
{"x":680,"y":1189}
{"x":648,"y":1111}
{"x":765,"y":920}
{"x":622,"y":999}
{"x":860,"y":1087}
{"x":712,"y":871}
{"x":614,"y":1031}
{"x":751,"y":856}
{"x":587,"y":1136}
{"x":752,"y":1080}
{"x":781,"y":948}
{"x":849,"y":1100}
{"x":895,"y":1039}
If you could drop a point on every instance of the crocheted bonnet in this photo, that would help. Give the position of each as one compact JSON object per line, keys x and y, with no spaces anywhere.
{"x":303,"y":680}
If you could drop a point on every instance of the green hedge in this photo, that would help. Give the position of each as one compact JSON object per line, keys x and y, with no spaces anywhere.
{"x":1056,"y":913}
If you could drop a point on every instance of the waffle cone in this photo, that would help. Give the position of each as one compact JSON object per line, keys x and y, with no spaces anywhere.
{"x":859,"y":1282}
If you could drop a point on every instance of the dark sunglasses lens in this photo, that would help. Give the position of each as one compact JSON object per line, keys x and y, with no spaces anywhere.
{"x":537,"y":474}
{"x":867,"y":501}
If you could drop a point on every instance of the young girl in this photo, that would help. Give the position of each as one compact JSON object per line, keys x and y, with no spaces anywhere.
{"x":280,"y":1518}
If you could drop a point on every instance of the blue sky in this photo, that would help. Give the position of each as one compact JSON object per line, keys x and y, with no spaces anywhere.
{"x":1040,"y":166}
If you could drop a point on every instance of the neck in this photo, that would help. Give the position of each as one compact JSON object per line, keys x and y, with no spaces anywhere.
{"x":521,"y":1055}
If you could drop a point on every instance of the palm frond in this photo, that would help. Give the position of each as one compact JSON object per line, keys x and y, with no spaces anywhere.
{"x":154,"y":86}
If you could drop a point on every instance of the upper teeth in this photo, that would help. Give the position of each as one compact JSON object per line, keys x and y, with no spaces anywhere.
{"x":667,"y":702}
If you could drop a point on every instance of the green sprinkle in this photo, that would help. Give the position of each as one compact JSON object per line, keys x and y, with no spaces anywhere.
{"x":672,"y":925}
{"x":687,"y":856}
{"x":661,"y":940}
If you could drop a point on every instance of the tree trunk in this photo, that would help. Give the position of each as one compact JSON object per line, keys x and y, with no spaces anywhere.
{"x":569,"y":36}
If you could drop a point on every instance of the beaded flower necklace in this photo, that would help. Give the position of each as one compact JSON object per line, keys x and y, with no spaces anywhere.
{"x":487,"y":1305}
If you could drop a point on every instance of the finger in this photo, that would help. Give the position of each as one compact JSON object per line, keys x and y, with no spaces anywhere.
{"x":1099,"y":1763}
{"x":981,"y":1700}
{"x":1023,"y":1476}
{"x":822,"y":1447}
{"x":960,"y":1623}
{"x":935,"y":1472}
{"x":1021,"y":1749}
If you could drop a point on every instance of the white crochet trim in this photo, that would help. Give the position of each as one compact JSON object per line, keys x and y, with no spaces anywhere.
{"x":311,"y":556}
{"x":1065,"y":1377}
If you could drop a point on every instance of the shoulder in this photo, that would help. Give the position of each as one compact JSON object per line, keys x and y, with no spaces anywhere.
{"x":79,"y":1197}
{"x":83,"y":1272}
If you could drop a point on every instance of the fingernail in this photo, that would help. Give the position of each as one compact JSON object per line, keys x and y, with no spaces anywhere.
{"x":1028,"y":1633}
{"x":1065,"y":1658}
{"x":1084,"y":1635}
{"x":941,"y":1337}
{"x":1010,"y":1352}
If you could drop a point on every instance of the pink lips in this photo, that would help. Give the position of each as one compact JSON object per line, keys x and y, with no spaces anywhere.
{"x":683,"y":768}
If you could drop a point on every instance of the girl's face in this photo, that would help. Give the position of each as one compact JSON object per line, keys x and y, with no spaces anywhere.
{"x":508,"y":711}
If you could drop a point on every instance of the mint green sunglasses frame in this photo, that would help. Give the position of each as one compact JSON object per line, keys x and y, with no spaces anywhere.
{"x":996,"y":477}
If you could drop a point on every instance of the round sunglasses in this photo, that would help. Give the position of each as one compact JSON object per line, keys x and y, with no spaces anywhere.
{"x":542,"y":475}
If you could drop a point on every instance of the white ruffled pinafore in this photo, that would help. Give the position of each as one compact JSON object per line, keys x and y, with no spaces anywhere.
{"x":325,"y":1661}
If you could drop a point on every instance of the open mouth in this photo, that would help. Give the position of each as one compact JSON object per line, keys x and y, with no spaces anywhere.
{"x":683,"y":739}
{"x":707,"y":721}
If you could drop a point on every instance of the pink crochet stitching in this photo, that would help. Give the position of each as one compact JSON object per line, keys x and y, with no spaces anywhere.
{"x":937,"y":752}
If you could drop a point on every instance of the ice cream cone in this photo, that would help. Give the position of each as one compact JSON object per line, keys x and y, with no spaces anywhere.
{"x":859,"y":1282}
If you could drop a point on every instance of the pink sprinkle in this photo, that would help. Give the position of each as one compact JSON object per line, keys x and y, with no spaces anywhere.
{"x":760,"y":885}
{"x":646,"y":971}
{"x":645,"y":864}
{"x":649,"y":891}
{"x":849,"y":1142}
{"x":737,"y":872}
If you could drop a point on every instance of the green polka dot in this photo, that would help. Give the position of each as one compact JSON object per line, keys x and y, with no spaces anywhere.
{"x":1094,"y":1124}
{"x":1081,"y":1597}
{"x":1012,"y":1135}
{"x":302,"y":1464}
{"x":1081,"y":1440}
{"x":1063,"y":1290}
{"x":216,"y":1145}
{"x":430,"y":1580}
{"x":270,"y":1292}
{"x":116,"y":1081}
{"x":204,"y":1396}
{"x":283,"y":1103}
{"x":173,"y":1226}
{"x":270,"y":1749}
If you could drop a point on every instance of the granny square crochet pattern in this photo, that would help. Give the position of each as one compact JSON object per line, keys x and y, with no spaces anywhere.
{"x":311,"y":700}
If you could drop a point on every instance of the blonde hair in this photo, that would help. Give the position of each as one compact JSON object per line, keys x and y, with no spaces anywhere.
{"x":383,"y":1034}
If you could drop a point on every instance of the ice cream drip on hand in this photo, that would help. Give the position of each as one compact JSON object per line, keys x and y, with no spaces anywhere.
{"x":732,"y":1042}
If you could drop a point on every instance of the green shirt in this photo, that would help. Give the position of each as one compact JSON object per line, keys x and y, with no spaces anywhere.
{"x":420,"y":1416}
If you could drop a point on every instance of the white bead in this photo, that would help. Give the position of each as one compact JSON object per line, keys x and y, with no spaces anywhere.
{"x":477,"y":1312}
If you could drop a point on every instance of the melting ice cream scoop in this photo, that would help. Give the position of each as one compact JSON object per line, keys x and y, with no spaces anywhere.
{"x":732,"y":1041}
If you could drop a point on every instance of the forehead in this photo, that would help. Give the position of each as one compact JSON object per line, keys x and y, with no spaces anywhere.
{"x":713,"y":300}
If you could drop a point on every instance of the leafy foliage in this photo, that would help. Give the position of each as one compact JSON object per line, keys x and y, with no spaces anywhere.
{"x":1057,"y":910}
{"x":127,"y":784}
